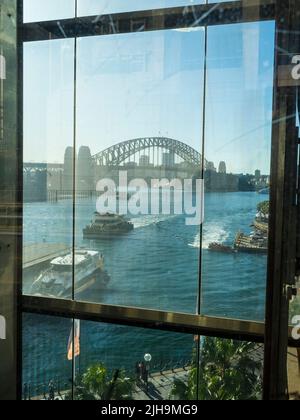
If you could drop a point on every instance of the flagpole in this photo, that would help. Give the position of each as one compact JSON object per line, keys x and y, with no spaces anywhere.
{"x":74,"y":354}
{"x":73,"y":360}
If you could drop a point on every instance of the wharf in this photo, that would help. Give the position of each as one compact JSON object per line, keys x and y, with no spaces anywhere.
{"x":38,"y":254}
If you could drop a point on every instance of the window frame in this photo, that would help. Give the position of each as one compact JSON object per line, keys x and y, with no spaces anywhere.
{"x":164,"y":19}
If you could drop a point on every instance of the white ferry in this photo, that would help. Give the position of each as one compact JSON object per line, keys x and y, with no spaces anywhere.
{"x":56,"y":281}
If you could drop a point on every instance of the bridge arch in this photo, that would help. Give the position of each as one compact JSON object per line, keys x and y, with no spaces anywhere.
{"x":119,"y":153}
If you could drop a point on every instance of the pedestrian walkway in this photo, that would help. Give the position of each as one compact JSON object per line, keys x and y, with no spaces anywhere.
{"x":160,"y":385}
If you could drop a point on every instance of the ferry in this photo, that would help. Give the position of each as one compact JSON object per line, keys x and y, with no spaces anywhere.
{"x":261,"y":226}
{"x":56,"y":280}
{"x":242,"y":243}
{"x":107,"y":225}
{"x":217,"y":247}
{"x":256,"y":244}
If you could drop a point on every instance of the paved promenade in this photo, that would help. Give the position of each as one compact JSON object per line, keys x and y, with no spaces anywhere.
{"x":160,"y":385}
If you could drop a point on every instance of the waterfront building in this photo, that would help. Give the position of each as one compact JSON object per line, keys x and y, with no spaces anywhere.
{"x":222,"y":168}
{"x":211,"y":167}
{"x":257,"y":174}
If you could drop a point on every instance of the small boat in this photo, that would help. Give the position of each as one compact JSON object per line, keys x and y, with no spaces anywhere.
{"x":217,"y":247}
{"x":261,"y":226}
{"x":264,"y":191}
{"x":251,"y":244}
{"x":57,"y":280}
{"x":107,"y":225}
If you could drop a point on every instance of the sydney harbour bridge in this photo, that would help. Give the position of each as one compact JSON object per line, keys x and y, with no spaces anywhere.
{"x":121,"y":152}
{"x":147,"y":158}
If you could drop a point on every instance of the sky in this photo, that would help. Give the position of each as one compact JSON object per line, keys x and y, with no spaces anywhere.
{"x":54,"y":9}
{"x":151,"y":84}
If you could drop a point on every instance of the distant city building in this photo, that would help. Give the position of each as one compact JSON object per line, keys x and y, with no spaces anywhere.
{"x":257,"y":174}
{"x":168,"y":159}
{"x":68,"y":169}
{"x":84,"y":173}
{"x":182,"y":165}
{"x":222,"y":168}
{"x":211,"y":167}
{"x":131,"y":164}
{"x":144,"y":160}
{"x":220,"y":182}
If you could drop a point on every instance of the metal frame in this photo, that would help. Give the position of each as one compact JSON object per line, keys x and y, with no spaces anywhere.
{"x":282,"y":266}
{"x":146,"y":318}
{"x":163,"y":19}
{"x":11,"y":243}
{"x":159,"y":19}
{"x":19,"y":250}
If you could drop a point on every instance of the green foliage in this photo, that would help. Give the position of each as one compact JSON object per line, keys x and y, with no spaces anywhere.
{"x":95,"y":385}
{"x":227,"y":372}
{"x":264,"y":207}
{"x":295,"y":308}
{"x":180,"y":391}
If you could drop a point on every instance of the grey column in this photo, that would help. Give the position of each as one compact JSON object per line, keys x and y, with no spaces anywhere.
{"x":9,"y":210}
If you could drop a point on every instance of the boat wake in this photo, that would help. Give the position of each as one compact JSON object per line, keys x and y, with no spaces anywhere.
{"x":142,"y":222}
{"x":212,"y":233}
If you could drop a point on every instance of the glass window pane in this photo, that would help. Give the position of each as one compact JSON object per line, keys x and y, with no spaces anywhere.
{"x":130,"y":91}
{"x":113,"y":362}
{"x":238,"y":140}
{"x":131,"y":88}
{"x":230,"y":370}
{"x":102,"y":354}
{"x":48,"y":167}
{"x":95,"y":7}
{"x":43,"y":10}
{"x":142,"y":362}
{"x":46,"y":370}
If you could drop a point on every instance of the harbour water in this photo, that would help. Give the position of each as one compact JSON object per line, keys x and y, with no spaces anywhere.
{"x":157,"y":267}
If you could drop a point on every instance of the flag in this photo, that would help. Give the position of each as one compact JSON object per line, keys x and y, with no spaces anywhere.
{"x":74,"y":341}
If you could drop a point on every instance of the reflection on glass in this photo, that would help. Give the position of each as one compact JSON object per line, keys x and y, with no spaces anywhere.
{"x":139,"y":107}
{"x":43,"y":10}
{"x":48,"y":167}
{"x":112,"y":362}
{"x":238,"y":140}
{"x":97,"y":7}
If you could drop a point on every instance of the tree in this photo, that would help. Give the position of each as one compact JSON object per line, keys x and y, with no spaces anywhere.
{"x":264,"y":207}
{"x":295,"y":308}
{"x":95,"y":384}
{"x":227,"y":372}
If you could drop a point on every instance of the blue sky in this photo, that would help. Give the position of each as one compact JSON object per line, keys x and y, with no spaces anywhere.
{"x":53,"y":9}
{"x":147,"y":84}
